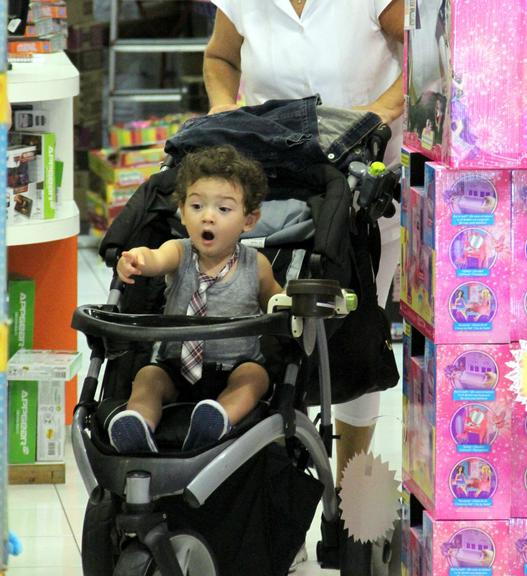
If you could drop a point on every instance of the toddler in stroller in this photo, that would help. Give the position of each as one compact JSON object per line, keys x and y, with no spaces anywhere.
{"x":218,"y":193}
{"x":213,"y":510}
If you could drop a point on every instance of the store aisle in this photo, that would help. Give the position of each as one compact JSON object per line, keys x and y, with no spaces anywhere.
{"x":48,"y":518}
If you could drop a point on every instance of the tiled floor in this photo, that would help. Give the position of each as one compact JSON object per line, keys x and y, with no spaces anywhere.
{"x":48,"y":518}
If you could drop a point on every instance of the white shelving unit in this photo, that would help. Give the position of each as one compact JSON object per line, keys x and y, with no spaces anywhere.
{"x":46,"y":250}
{"x":51,"y":81}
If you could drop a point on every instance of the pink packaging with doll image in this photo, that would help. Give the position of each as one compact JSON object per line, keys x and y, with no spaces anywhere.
{"x":519,"y":256}
{"x":519,"y":462}
{"x":518,"y":546}
{"x":456,"y":253}
{"x":458,"y":430}
{"x":465,"y":77}
{"x":459,"y":548}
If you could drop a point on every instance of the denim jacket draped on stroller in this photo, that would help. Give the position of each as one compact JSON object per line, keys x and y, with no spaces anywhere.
{"x":243,"y":505}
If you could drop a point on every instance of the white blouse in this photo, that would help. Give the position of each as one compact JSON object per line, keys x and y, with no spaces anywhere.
{"x":336,"y":49}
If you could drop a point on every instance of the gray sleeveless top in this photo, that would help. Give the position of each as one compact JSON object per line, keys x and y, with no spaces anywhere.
{"x":236,"y":296}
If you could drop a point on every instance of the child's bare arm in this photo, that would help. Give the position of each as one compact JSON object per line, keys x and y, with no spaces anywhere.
{"x":268,"y":285}
{"x":143,"y":261}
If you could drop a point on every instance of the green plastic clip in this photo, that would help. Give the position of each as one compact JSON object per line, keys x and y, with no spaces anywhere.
{"x":376,"y":168}
{"x":352,"y":301}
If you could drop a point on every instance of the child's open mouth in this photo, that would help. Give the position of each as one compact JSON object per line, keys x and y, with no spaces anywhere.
{"x":207,"y":235}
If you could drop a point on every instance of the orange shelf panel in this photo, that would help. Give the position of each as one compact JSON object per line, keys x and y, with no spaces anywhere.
{"x":53,"y":266}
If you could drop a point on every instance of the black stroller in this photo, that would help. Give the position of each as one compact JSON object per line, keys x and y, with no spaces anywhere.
{"x":243,"y":505}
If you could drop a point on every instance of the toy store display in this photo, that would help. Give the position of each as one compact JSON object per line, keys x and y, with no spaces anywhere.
{"x":37,"y":379}
{"x":465,"y":80}
{"x":104,"y":164}
{"x":519,"y":256}
{"x":456,"y":251}
{"x":146,"y":132}
{"x":41,"y":170}
{"x":4,"y":120}
{"x":21,"y":297}
{"x":457,"y":420}
{"x":432,"y":547}
{"x":463,"y":288}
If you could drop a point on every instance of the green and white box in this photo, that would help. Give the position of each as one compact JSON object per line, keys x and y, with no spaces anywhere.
{"x":42,"y":170}
{"x":44,"y":365}
{"x":51,"y":429}
{"x":21,"y":291}
{"x":22,"y":421}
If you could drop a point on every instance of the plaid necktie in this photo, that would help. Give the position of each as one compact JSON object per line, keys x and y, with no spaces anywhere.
{"x":192,"y":350}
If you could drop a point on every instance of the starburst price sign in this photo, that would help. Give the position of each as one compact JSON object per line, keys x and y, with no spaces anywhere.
{"x":369,"y":498}
{"x":518,"y":373}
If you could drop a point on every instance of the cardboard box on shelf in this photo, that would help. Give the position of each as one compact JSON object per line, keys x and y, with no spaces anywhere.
{"x":30,"y":119}
{"x":80,"y":11}
{"x":465,"y":102}
{"x":87,"y":136}
{"x":87,"y":36}
{"x":456,"y":251}
{"x":21,"y":295}
{"x":102,"y":164}
{"x":44,"y":365}
{"x":433,"y":547}
{"x":19,"y":159}
{"x":42,"y":170}
{"x":51,"y":429}
{"x":87,"y":60}
{"x":457,"y":427}
{"x":22,"y":421}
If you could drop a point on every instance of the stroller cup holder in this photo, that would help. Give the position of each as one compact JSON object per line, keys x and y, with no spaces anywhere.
{"x":313,"y":298}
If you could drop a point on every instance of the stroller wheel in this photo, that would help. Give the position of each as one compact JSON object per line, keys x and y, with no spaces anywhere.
{"x":194,"y":556}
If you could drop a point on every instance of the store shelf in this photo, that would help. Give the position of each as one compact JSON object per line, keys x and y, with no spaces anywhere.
{"x":64,"y":225}
{"x":47,"y":77}
{"x":46,"y":250}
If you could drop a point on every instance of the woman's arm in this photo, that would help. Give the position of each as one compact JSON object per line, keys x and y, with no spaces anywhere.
{"x":221,"y":65}
{"x":390,"y":104}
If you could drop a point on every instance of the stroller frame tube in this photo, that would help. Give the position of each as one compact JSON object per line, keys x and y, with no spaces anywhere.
{"x":243,"y":448}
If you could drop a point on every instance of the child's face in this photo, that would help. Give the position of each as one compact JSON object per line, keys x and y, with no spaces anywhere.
{"x":214,"y":215}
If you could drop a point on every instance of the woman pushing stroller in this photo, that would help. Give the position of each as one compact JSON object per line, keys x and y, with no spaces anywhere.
{"x":218,"y":192}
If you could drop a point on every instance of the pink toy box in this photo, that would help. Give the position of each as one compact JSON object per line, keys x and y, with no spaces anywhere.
{"x":519,"y":462}
{"x":465,"y":78}
{"x":456,"y":255}
{"x":457,"y":425}
{"x":518,"y":546}
{"x":461,"y":548}
{"x":452,"y":547}
{"x":519,"y":259}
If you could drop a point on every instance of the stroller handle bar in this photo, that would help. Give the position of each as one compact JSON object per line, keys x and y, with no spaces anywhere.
{"x":94,"y":320}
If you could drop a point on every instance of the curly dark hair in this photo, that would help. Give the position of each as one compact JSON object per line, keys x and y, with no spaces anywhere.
{"x":227,"y":163}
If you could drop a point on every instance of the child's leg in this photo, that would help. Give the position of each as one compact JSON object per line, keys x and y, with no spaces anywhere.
{"x":247,"y":383}
{"x":132,"y":429}
{"x":211,"y":419}
{"x":151,"y":388}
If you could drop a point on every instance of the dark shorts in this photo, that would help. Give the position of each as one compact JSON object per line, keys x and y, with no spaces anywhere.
{"x":211,"y":384}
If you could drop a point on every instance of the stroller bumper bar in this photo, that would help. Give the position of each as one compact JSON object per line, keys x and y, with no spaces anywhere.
{"x":96,"y":321}
{"x":304,"y":299}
